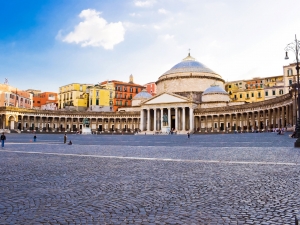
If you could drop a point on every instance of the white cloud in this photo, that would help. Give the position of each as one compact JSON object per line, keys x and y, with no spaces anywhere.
{"x":95,"y":31}
{"x":162,"y":11}
{"x":147,"y":3}
{"x":167,"y":37}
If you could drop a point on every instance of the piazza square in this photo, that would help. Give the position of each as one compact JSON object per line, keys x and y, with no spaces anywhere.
{"x":248,"y":178}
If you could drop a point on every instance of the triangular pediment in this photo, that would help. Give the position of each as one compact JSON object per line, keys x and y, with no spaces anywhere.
{"x":165,"y":98}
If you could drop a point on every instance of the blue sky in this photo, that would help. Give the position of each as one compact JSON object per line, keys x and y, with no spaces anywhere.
{"x":45,"y":44}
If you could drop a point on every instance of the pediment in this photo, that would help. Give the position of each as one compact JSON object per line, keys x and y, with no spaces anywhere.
{"x":165,"y":98}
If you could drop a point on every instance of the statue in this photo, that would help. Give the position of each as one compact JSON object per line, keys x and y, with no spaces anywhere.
{"x":86,"y":122}
{"x":165,"y":119}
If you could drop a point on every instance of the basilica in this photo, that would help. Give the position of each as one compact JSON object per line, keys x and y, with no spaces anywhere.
{"x":190,"y":98}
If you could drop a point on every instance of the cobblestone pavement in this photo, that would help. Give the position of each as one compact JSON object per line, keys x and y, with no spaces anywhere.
{"x":110,"y":179}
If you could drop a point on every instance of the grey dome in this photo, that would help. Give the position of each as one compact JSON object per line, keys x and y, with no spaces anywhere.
{"x":143,"y":95}
{"x":189,"y":64}
{"x":214,"y":90}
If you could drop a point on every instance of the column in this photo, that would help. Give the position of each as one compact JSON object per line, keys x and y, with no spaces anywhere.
{"x":253,"y":120}
{"x":219,"y":123}
{"x":176,"y":118}
{"x":248,"y":121}
{"x":155,"y":122}
{"x":206,"y":124}
{"x":183,"y":118}
{"x":258,"y":120}
{"x":230,"y":121}
{"x":148,"y":120}
{"x":161,"y":117}
{"x":191,"y":119}
{"x":237,"y":121}
{"x":225,"y":123}
{"x":169,"y":118}
{"x":283,"y":116}
{"x":264,"y":120}
{"x":34,"y":122}
{"x":141,"y":120}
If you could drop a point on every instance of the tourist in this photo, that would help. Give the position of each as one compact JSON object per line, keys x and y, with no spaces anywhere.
{"x":293,"y":135}
{"x":34,"y":138}
{"x":70,"y":142}
{"x":65,"y":139}
{"x":3,"y":138}
{"x":188,"y":134}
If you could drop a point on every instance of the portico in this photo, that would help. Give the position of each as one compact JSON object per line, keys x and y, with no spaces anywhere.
{"x":178,"y":111}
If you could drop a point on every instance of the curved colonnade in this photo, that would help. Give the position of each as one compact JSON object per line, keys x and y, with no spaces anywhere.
{"x":277,"y":112}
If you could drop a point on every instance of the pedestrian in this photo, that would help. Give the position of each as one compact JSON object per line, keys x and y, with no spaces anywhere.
{"x":70,"y":142}
{"x":34,"y":138}
{"x":65,"y":139}
{"x":3,"y":138}
{"x":188,"y":134}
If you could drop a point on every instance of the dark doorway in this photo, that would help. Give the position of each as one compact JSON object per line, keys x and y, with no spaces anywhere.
{"x":222,"y":126}
{"x":172,"y":122}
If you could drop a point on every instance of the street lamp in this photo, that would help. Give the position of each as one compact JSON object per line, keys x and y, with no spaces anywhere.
{"x":295,"y":46}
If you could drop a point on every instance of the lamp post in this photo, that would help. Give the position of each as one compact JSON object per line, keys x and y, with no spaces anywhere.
{"x":295,"y":46}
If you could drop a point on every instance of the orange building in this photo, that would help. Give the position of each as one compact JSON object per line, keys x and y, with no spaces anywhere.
{"x":124,"y":92}
{"x":11,"y":96}
{"x":151,"y":88}
{"x":41,"y":99}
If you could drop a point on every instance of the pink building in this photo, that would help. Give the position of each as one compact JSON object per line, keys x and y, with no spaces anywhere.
{"x":11,"y":96}
{"x":151,"y":88}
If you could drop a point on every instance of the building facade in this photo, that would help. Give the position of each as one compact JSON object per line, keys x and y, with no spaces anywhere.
{"x":11,"y":96}
{"x":124,"y":92}
{"x":74,"y":97}
{"x":151,"y":88}
{"x":40,"y":100}
{"x":100,"y":98}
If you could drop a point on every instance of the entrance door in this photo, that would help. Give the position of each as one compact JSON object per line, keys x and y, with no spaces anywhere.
{"x":222,"y":126}
{"x":100,"y":128}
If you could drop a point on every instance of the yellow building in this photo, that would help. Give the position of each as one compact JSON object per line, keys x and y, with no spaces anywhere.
{"x":101,"y":98}
{"x":74,"y":97}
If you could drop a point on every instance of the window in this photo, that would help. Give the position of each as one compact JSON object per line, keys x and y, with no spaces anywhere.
{"x":126,"y":103}
{"x":131,"y":89}
{"x":97,"y":93}
{"x":290,"y":82}
{"x":247,"y":95}
{"x":274,"y":92}
{"x":290,"y":72}
{"x":97,"y":101}
{"x":266,"y":93}
{"x":229,"y":86}
{"x":120,"y":102}
{"x":80,"y":88}
{"x":136,"y":90}
{"x":38,"y":102}
{"x":235,"y":97}
{"x":110,"y":102}
{"x":110,"y":94}
{"x":252,"y":94}
{"x":281,"y":92}
{"x":241,"y":96}
{"x":259,"y":95}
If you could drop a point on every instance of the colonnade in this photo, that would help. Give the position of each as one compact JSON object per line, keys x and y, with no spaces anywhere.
{"x":263,"y":119}
{"x":179,"y":119}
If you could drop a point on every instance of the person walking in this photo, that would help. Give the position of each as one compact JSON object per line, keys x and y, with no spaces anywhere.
{"x":3,"y":138}
{"x":65,"y":139}
{"x":34,"y":138}
{"x":188,"y":134}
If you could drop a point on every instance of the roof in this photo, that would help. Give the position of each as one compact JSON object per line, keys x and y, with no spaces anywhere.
{"x":214,"y":90}
{"x":143,"y":95}
{"x":189,"y":64}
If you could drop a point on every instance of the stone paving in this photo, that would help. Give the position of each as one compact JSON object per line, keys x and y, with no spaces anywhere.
{"x":151,"y":179}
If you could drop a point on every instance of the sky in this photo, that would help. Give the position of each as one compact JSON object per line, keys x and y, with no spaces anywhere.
{"x":46,"y":44}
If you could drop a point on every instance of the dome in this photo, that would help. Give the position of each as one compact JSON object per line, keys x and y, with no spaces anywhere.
{"x":214,"y":90}
{"x":189,"y":64}
{"x":215,"y":94}
{"x":143,"y":95}
{"x":188,"y":75}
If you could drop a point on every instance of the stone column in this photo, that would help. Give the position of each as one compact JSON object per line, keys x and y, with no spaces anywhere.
{"x":169,"y":118}
{"x":176,"y":118}
{"x":258,"y":120}
{"x":183,"y":118}
{"x":247,"y":120}
{"x":155,"y":122}
{"x":225,"y":123}
{"x":148,"y":120}
{"x":252,"y":120}
{"x":237,"y":121}
{"x":283,"y":116}
{"x":230,"y":121}
{"x":142,"y":120}
{"x":264,"y":120}
{"x":161,"y":117}
{"x":206,"y":124}
{"x":219,"y":123}
{"x":191,"y":119}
